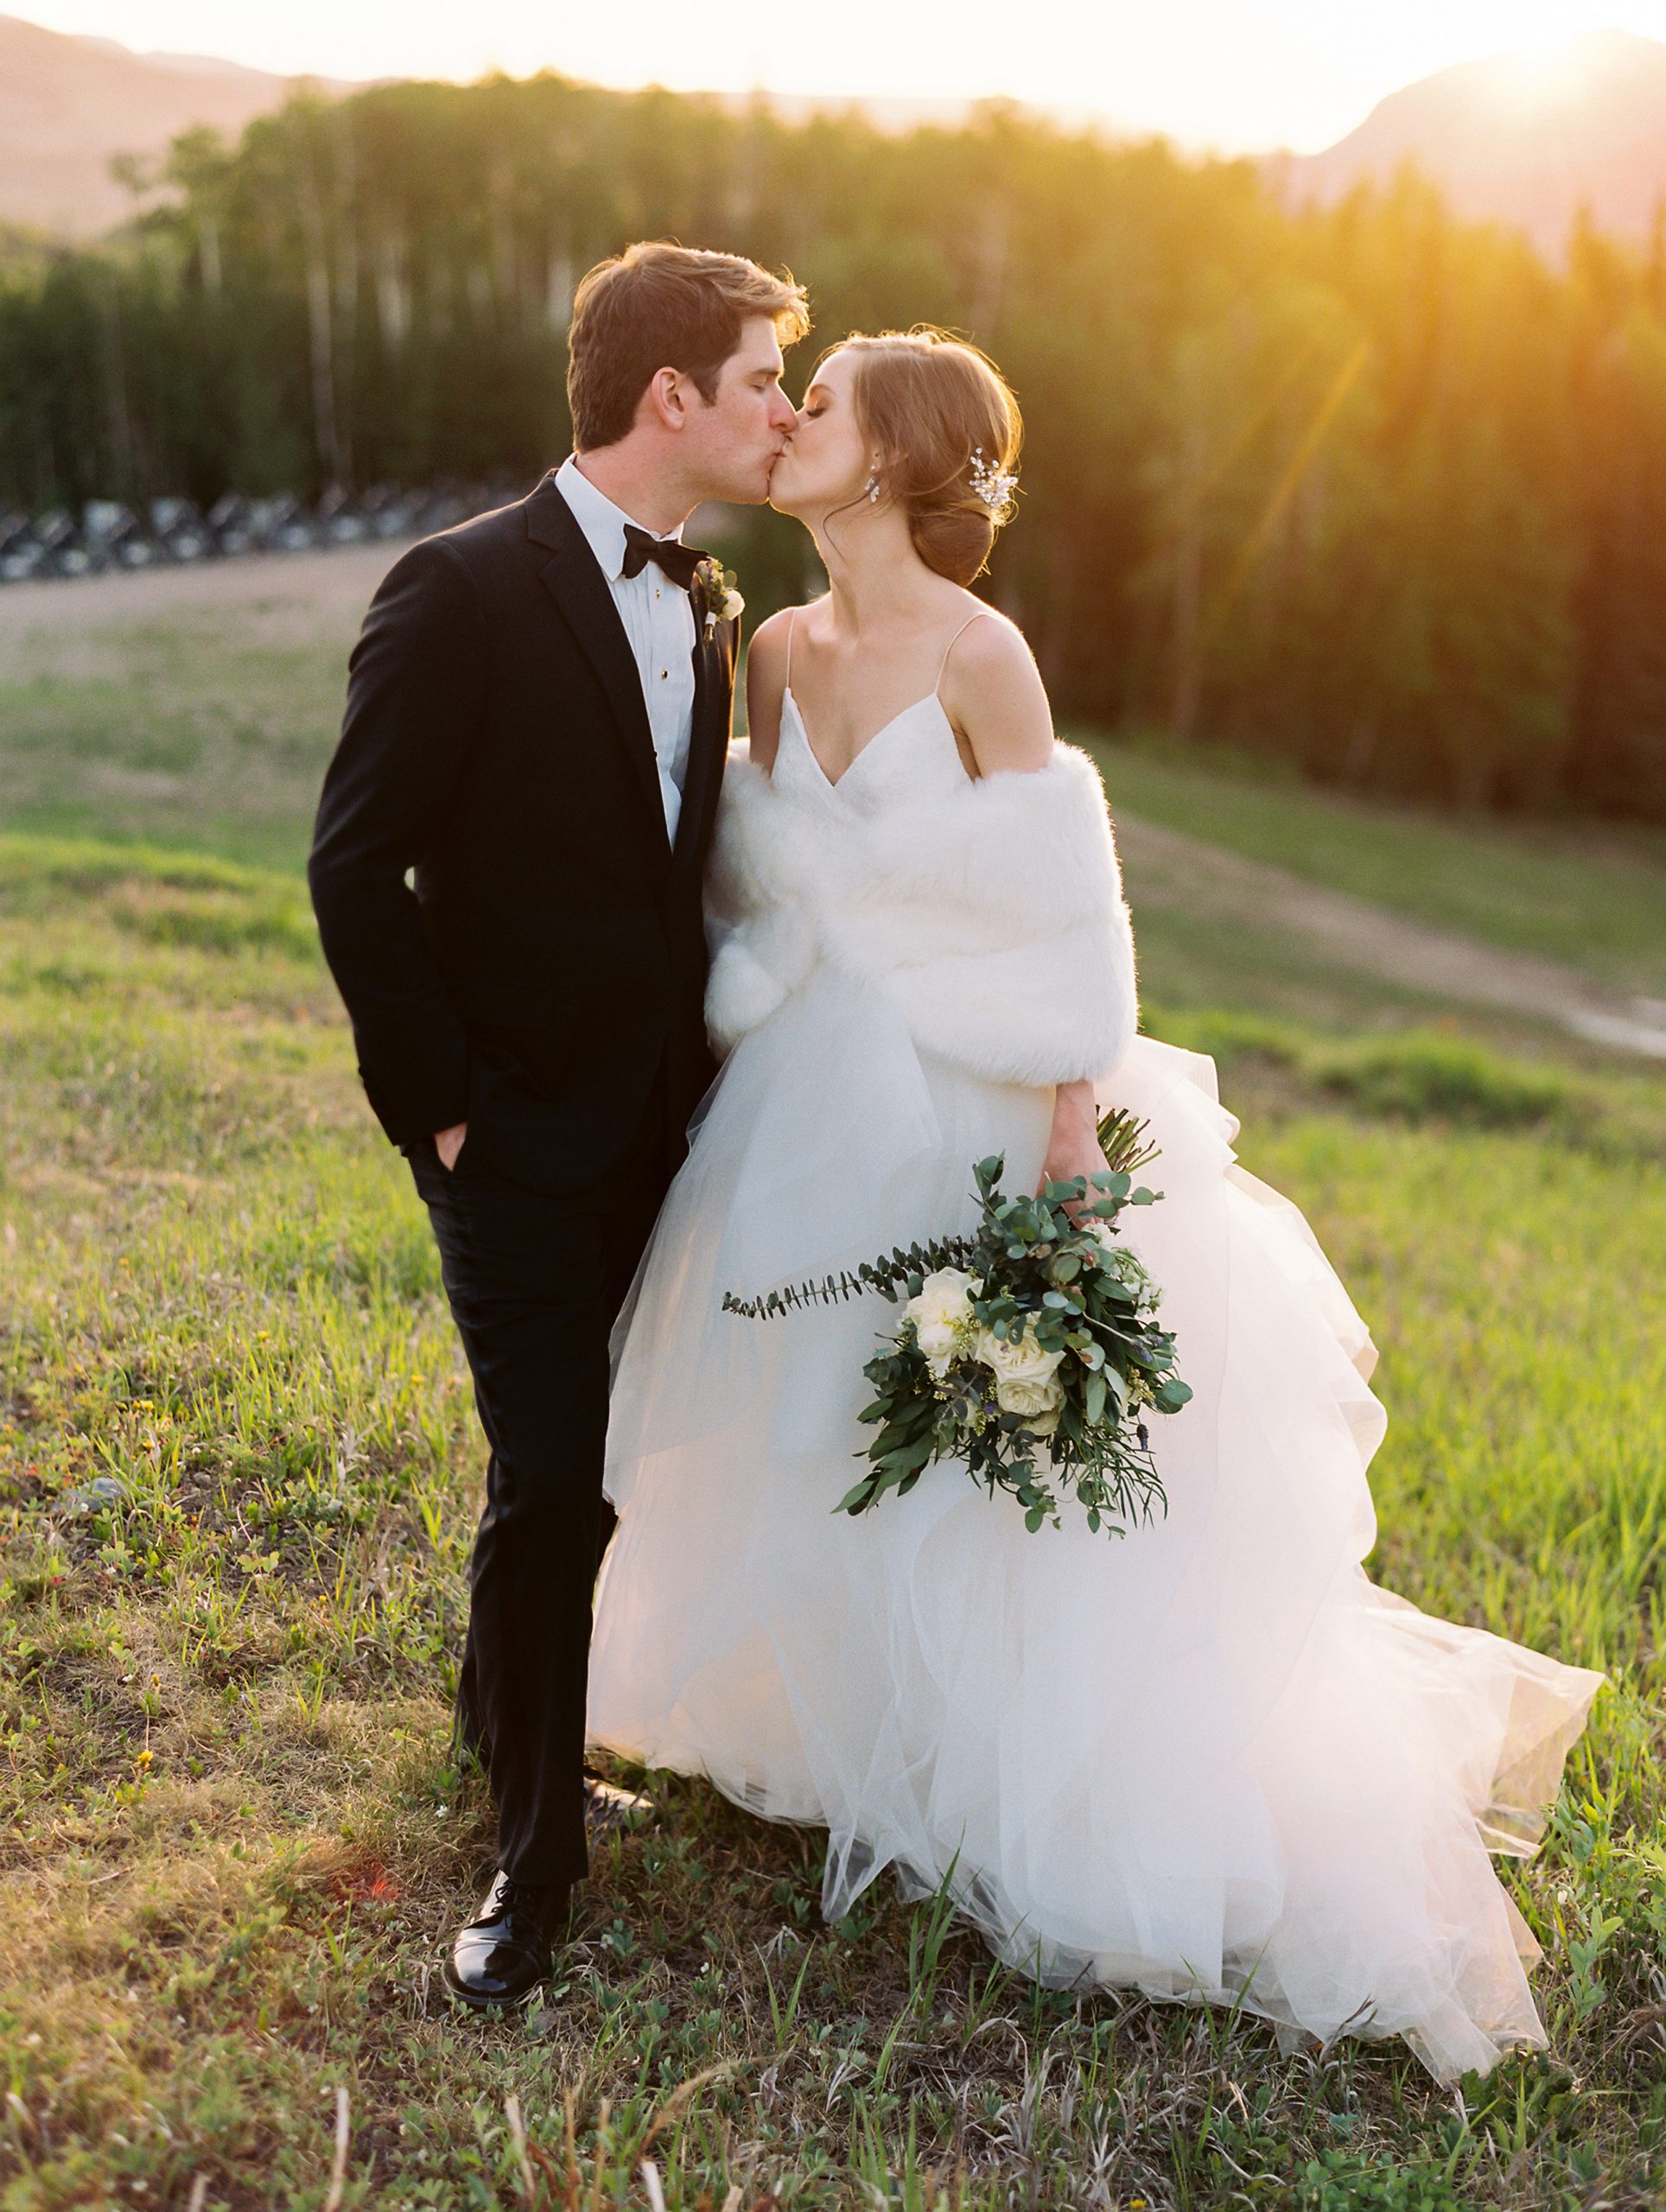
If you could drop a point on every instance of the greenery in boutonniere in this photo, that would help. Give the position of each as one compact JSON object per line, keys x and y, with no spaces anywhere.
{"x":723,"y":602}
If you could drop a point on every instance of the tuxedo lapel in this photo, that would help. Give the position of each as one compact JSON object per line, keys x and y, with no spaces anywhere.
{"x":714,"y":694}
{"x":580,"y":590}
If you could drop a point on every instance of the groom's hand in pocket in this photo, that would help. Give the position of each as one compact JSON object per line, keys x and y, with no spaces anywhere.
{"x":449,"y":1142}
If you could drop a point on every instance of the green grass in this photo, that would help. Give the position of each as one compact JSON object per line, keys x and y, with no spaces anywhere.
{"x":238,"y":1847}
{"x":209,"y":731}
{"x":207,"y":727}
{"x":1593,"y":897}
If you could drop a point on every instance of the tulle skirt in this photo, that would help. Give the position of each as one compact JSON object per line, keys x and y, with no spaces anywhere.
{"x":1211,"y":1760}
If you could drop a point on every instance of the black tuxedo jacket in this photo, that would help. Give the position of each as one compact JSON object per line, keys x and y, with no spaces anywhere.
{"x":519,"y":944}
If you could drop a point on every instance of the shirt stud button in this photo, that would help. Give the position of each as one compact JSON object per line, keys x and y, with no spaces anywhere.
{"x":663,"y":673}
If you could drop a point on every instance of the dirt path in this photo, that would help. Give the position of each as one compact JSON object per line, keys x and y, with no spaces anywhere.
{"x":1174,"y":869}
{"x":294,"y":597}
{"x":306,"y":594}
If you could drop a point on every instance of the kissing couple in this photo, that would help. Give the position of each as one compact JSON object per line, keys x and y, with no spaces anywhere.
{"x":654,"y":1019}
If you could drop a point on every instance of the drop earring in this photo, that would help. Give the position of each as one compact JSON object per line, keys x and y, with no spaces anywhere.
{"x":872,"y":486}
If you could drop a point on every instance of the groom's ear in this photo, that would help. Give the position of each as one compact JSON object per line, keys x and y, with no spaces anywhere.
{"x":667,"y":400}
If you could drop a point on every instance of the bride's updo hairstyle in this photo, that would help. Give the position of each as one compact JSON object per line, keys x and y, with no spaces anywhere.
{"x":942,"y":416}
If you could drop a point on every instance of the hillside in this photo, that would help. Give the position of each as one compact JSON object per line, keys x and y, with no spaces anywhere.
{"x":1522,"y":139}
{"x":197,"y":709}
{"x":240,"y":1473}
{"x":1525,"y":138}
{"x":69,"y":105}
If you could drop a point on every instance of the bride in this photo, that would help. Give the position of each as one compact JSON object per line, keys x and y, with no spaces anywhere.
{"x":1211,"y":1760}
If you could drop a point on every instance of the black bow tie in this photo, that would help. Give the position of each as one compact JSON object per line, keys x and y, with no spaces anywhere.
{"x":679,"y":561}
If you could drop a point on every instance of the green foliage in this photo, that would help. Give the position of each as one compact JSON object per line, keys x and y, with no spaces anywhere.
{"x":1340,"y":2182}
{"x":1425,"y":1076}
{"x":1042,"y":1269}
{"x":1367,"y":488}
{"x":1593,"y":900}
{"x":1436,"y":1076}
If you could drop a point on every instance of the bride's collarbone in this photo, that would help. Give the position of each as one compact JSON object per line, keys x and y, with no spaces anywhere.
{"x":832,"y":774}
{"x":857,"y":693}
{"x":847,"y":693}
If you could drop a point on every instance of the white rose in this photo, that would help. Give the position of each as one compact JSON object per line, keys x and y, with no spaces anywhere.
{"x":1025,"y":1376}
{"x":1044,"y":1422}
{"x":942,"y":1315}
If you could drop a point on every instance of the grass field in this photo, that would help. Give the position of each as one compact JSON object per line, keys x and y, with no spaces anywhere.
{"x":238,"y":1478}
{"x":203,"y":724}
{"x":1594,"y":897}
{"x":198,"y":712}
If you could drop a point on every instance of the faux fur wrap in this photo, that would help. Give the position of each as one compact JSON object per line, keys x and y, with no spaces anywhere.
{"x":993,"y":917}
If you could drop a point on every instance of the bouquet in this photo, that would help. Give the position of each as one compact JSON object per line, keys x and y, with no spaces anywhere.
{"x":1028,"y":1348}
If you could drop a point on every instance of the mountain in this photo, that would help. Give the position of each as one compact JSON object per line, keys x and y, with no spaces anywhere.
{"x":68,"y":104}
{"x":1522,"y":139}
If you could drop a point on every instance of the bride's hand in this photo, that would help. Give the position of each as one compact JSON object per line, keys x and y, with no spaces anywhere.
{"x":1073,"y":1142}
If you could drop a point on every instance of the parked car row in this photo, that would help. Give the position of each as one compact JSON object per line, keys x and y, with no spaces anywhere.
{"x":107,"y":535}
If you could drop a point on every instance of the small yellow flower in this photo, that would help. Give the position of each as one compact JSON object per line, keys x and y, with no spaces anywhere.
{"x":145,"y":1758}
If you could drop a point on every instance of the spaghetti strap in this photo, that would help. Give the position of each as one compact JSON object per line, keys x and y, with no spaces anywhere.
{"x":947,"y":650}
{"x":791,"y":613}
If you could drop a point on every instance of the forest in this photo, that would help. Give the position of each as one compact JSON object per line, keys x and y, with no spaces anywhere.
{"x":1368,"y":491}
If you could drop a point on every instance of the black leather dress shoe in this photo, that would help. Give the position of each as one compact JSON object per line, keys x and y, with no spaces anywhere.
{"x":498,"y":1958}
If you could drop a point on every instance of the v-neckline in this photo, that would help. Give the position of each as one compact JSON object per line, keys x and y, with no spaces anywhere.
{"x":866,"y":746}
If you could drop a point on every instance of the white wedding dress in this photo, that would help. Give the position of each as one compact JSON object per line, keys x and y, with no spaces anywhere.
{"x":1211,"y":1760}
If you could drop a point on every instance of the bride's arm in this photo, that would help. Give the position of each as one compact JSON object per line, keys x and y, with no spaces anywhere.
{"x":993,"y":695}
{"x":766,"y":682}
{"x":1073,"y":1147}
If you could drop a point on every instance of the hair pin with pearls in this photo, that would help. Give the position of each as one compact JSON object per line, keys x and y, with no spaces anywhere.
{"x":995,"y":486}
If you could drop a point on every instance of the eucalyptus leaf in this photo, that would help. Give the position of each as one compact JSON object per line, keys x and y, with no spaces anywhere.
{"x":1047,"y":1281}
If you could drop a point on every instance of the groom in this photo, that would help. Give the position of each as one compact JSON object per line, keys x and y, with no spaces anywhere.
{"x":507,"y":872}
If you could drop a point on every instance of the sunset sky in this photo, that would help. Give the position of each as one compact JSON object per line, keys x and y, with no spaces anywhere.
{"x":1236,"y":74}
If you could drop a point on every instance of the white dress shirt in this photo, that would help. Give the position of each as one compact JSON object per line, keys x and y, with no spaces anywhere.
{"x":658,"y":618}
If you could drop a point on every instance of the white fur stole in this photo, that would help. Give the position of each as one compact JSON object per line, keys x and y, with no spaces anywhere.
{"x":994,"y":917}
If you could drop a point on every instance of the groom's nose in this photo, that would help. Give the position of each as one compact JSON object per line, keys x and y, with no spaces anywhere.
{"x":783,"y":417}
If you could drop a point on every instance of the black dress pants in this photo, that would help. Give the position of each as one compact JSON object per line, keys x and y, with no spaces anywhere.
{"x":534,"y":1283}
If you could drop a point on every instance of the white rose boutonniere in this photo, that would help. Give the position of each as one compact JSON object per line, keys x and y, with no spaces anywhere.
{"x":723,"y":601}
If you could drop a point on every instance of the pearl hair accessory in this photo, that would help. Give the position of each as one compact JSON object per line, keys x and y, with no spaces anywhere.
{"x":995,"y":486}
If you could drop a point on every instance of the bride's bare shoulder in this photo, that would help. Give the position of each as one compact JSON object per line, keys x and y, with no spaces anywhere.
{"x":993,"y":695}
{"x":766,"y":682}
{"x":769,"y":638}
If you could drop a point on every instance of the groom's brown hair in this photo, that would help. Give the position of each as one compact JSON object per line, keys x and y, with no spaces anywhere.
{"x":660,"y":306}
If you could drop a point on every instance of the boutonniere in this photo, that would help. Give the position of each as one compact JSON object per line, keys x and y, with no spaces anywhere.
{"x":723,"y":601}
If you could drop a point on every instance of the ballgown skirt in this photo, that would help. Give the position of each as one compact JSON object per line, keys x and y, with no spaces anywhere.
{"x":1211,"y":1760}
